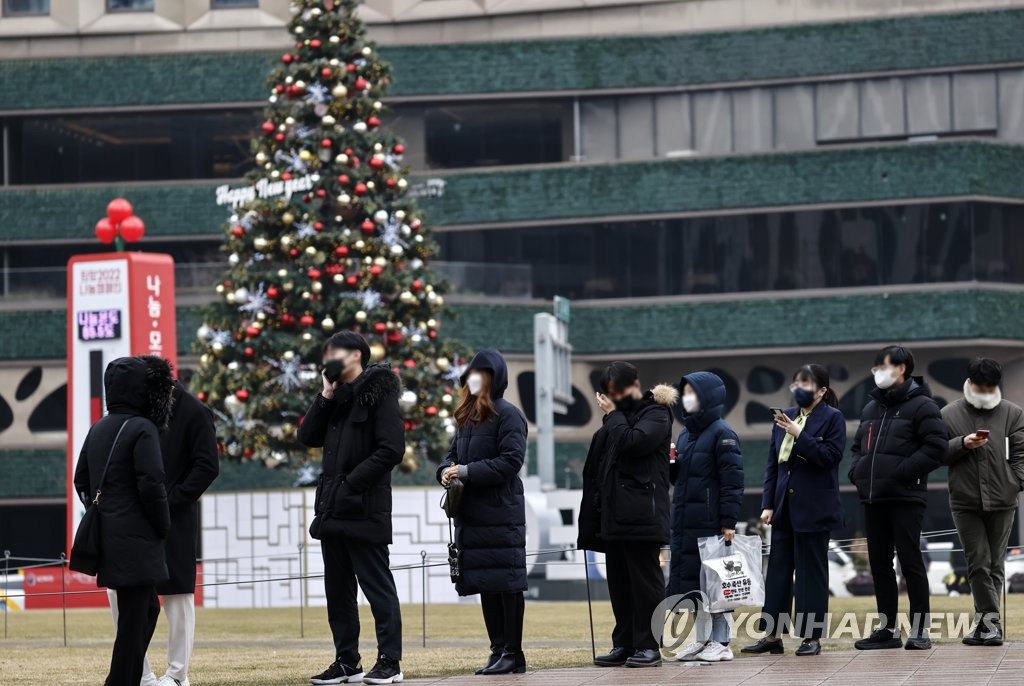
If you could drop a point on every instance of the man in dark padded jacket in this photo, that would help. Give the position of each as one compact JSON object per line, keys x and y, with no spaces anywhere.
{"x":900,"y":440}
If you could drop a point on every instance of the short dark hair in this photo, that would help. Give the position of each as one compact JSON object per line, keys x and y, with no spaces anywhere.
{"x":984,"y":372}
{"x":898,"y":355}
{"x":349,"y":340}
{"x":618,"y":375}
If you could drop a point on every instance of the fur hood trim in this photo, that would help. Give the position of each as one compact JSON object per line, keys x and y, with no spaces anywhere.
{"x":377,"y":384}
{"x":665,"y":394}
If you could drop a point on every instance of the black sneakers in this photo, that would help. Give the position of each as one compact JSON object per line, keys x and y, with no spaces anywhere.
{"x":338,"y":673}
{"x":386,"y":671}
{"x":880,"y":639}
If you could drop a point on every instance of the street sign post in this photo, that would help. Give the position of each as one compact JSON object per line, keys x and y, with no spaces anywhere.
{"x":553,"y":382}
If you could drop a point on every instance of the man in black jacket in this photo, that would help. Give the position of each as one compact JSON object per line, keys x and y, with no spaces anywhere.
{"x":900,"y":440}
{"x":625,"y":508}
{"x":357,"y":421}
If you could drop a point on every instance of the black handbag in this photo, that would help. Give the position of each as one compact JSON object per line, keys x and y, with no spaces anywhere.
{"x":85,"y":551}
{"x":452,"y":497}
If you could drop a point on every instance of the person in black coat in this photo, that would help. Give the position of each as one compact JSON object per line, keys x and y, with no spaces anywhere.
{"x":625,"y":508}
{"x":901,"y":438}
{"x":706,"y":501}
{"x":801,"y":502}
{"x":189,"y":449}
{"x":133,"y":512}
{"x":487,"y":454}
{"x":357,"y":421}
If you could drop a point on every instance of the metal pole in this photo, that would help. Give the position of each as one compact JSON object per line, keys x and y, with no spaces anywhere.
{"x":7,"y":600}
{"x":423,"y":599}
{"x":63,"y":598}
{"x":302,"y":595}
{"x":543,"y":325}
{"x":590,"y":606}
{"x":577,"y":133}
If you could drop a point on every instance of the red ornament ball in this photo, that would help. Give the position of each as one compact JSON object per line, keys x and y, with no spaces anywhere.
{"x":399,"y":149}
{"x":237,"y":231}
{"x":417,"y":284}
{"x":313,"y":273}
{"x":252,"y":331}
{"x":268,"y":127}
{"x":249,"y":352}
{"x":390,"y":183}
{"x":344,"y":180}
{"x":373,"y":121}
{"x":315,"y":43}
{"x":380,"y":327}
{"x":431,"y":411}
{"x":367,"y":227}
{"x":105,"y":231}
{"x":360,"y":189}
{"x":325,"y":72}
{"x":410,"y":363}
{"x":242,"y":394}
{"x":286,"y":58}
{"x":272,"y":292}
{"x":201,"y":395}
{"x":307,"y":320}
{"x":376,"y":270}
{"x":326,"y":143}
{"x":376,"y":162}
{"x":248,"y":452}
{"x":352,"y":281}
{"x":279,"y":137}
{"x":361,"y":84}
{"x":341,"y":250}
{"x":318,"y":226}
{"x":132,"y":229}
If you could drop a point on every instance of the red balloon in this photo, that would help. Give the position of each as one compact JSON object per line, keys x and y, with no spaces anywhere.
{"x":118,"y":210}
{"x":132,"y":229}
{"x":105,"y":231}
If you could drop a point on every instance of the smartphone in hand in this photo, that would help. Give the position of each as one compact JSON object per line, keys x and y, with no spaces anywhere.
{"x":981,"y":433}
{"x":777,"y":412}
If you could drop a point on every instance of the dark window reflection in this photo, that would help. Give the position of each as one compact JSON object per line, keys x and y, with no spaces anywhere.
{"x":814,"y":249}
{"x":132,"y":147}
{"x":496,"y":134}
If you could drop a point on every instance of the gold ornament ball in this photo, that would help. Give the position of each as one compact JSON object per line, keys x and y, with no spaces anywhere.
{"x":442,"y":364}
{"x":288,"y":285}
{"x":286,"y":241}
{"x":360,"y":316}
{"x":339,"y":91}
{"x":289,"y":355}
{"x":305,"y":155}
{"x":261,"y":158}
{"x":287,"y":218}
{"x":410,"y":451}
{"x":377,"y":352}
{"x":310,"y":250}
{"x":327,"y":324}
{"x":260,"y":243}
{"x":317,"y":286}
{"x":339,"y":278}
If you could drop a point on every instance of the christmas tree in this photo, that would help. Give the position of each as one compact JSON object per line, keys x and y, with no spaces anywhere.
{"x":324,"y":237}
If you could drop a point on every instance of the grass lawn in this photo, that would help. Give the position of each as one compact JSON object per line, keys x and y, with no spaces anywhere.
{"x":237,"y":647}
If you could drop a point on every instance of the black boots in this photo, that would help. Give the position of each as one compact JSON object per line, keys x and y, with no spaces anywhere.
{"x":508,"y":663}
{"x":491,"y":659}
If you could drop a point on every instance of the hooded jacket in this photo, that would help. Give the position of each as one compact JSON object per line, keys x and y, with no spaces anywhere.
{"x":708,"y":476}
{"x":901,"y":438}
{"x":134,"y":517}
{"x":991,"y":477}
{"x":490,"y":527}
{"x":363,"y":436}
{"x":626,"y":474}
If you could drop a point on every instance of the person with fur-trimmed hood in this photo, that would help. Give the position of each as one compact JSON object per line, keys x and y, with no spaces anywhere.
{"x":121,"y":457}
{"x":357,"y":421}
{"x":625,"y":508}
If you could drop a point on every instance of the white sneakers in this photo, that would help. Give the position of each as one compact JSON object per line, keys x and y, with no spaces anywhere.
{"x":170,"y":681}
{"x":690,"y":652}
{"x":149,"y":680}
{"x":715,"y":652}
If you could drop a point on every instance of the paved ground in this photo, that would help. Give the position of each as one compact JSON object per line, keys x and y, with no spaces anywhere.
{"x":947,"y":664}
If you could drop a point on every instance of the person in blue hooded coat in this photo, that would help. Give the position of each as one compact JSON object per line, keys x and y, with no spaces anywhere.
{"x":706,"y":501}
{"x":490,"y":527}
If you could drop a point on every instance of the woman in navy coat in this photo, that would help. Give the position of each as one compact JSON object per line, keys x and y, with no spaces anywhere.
{"x":801,"y":502}
{"x":490,"y":526}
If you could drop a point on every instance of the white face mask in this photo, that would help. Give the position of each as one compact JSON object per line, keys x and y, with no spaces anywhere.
{"x":474,"y":382}
{"x":982,"y":401}
{"x":884,"y":378}
{"x":691,"y":403}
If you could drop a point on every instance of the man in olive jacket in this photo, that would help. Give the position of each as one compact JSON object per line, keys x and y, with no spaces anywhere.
{"x":357,"y":421}
{"x":901,"y":439}
{"x":986,"y":474}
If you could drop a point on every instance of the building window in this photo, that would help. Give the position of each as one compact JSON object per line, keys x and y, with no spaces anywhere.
{"x":227,"y":4}
{"x":129,"y":5}
{"x":26,"y":8}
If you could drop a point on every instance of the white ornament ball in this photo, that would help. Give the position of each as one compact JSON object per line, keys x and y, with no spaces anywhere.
{"x":380,"y":216}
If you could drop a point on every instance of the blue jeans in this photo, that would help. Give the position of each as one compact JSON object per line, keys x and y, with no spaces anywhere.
{"x":714,"y":626}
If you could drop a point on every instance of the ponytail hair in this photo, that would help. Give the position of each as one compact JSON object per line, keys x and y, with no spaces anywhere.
{"x":819,"y":375}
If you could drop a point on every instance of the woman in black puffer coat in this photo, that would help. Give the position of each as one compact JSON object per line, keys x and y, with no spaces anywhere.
{"x":134,"y":517}
{"x":490,"y":527}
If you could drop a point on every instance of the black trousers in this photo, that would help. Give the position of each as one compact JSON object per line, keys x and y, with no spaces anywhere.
{"x":503,"y":617}
{"x":636,"y":585}
{"x":137,"y":612}
{"x":804,"y":555}
{"x":345,"y":562}
{"x":897,"y":527}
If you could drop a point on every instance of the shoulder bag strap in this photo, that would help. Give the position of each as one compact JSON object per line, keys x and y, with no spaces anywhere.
{"x":103,"y":475}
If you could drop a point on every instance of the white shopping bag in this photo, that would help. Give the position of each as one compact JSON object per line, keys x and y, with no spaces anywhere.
{"x":730,"y":574}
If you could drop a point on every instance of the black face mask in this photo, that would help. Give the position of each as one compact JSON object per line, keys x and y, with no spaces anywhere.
{"x":333,"y":370}
{"x":625,"y":404}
